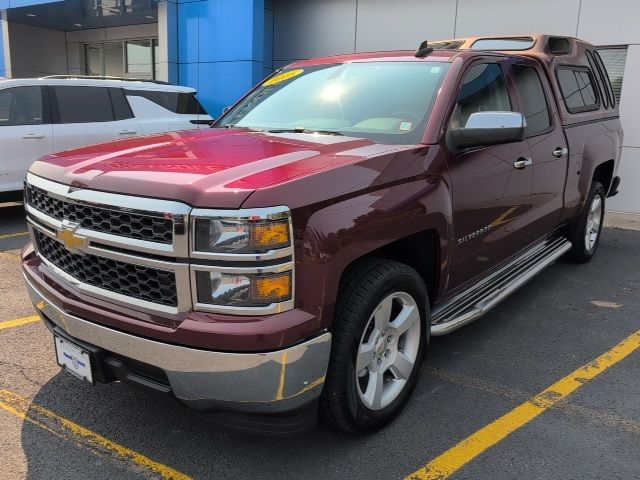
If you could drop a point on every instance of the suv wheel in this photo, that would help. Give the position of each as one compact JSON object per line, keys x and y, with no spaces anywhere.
{"x":379,"y":339}
{"x":585,"y":232}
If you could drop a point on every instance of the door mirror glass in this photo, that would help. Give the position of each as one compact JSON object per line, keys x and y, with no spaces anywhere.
{"x":488,"y":128}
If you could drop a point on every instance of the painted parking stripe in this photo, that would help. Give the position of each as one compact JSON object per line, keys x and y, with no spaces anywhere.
{"x":66,"y":429}
{"x":19,"y":322}
{"x":13,"y":235}
{"x":469,"y":448}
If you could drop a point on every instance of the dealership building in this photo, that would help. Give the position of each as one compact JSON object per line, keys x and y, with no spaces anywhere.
{"x":223,"y":47}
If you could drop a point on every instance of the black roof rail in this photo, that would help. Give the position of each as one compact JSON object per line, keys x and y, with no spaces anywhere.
{"x":97,"y":77}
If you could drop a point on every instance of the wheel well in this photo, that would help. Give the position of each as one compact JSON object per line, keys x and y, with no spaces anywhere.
{"x":604,"y":174}
{"x":420,"y":251}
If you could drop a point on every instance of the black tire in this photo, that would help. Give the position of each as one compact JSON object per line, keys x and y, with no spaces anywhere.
{"x":580,"y":251}
{"x":361,"y":292}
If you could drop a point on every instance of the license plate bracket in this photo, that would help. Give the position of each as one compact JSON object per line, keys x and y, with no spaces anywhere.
{"x":74,"y":359}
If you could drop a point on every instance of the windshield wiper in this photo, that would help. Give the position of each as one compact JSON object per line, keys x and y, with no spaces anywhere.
{"x":305,"y":130}
{"x":230,"y":126}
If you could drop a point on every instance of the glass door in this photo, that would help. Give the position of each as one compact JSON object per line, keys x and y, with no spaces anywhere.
{"x":126,"y":58}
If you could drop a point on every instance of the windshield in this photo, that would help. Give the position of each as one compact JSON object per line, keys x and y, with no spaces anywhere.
{"x":387,"y":102}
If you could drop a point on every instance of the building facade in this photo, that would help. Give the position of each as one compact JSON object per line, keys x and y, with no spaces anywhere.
{"x":223,"y":47}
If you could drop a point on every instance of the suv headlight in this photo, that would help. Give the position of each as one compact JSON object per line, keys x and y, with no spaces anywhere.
{"x":253,"y":239}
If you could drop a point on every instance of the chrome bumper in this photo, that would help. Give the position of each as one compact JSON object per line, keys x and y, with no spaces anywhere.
{"x":251,"y":382}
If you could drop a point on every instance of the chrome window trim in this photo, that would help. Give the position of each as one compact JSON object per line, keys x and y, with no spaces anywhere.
{"x":244,"y":311}
{"x":268,"y":213}
{"x":112,"y":201}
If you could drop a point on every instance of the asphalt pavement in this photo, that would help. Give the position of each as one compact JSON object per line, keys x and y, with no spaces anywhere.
{"x":55,"y":426}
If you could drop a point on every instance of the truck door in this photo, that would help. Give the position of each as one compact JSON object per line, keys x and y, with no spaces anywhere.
{"x":548,"y":147}
{"x":491,"y":185}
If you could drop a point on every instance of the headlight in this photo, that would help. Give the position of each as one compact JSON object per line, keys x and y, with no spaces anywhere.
{"x":224,"y":289}
{"x":262,"y":231}
{"x":242,"y":261}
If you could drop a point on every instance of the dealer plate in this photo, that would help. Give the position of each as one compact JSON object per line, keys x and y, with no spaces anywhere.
{"x":74,"y":359}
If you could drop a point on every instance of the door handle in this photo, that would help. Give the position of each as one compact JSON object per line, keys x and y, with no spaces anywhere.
{"x":33,"y":136}
{"x":127,"y":132}
{"x":522,"y":163}
{"x":560,"y":152}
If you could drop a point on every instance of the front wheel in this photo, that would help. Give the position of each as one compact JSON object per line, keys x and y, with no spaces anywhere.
{"x":586,"y":229}
{"x":379,"y":340}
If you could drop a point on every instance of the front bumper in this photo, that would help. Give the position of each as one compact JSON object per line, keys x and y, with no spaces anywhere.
{"x":270,"y":382}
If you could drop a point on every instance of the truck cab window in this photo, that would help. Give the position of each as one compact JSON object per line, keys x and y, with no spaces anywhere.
{"x":532,"y":96}
{"x":577,"y":89}
{"x":483,"y":90}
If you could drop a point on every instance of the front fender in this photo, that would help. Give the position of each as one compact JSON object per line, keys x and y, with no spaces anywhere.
{"x":341,"y":233}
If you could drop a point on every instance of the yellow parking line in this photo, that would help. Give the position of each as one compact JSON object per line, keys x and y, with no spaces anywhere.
{"x":469,"y":448}
{"x":12,"y":235}
{"x":65,"y":428}
{"x":19,"y":321}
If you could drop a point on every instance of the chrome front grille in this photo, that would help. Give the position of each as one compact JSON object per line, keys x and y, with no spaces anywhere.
{"x":136,"y":281}
{"x":125,"y":223}
{"x":95,"y":241}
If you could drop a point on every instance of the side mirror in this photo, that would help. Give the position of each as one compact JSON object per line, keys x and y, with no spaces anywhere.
{"x":226,"y":109}
{"x":488,"y":128}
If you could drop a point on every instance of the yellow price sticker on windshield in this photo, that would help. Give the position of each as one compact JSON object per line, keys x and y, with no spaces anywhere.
{"x":282,"y":77}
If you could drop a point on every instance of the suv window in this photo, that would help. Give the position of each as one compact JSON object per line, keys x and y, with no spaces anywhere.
{"x":21,"y":106}
{"x":121,"y":107}
{"x":483,"y":90}
{"x":576,"y":84}
{"x":83,"y":104}
{"x":176,"y":102}
{"x":534,"y":101}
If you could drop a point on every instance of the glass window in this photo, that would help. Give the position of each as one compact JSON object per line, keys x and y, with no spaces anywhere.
{"x":388,"y":102}
{"x":113,"y":64}
{"x":483,"y":90}
{"x":176,"y":102}
{"x":533,"y":98}
{"x":21,"y":106}
{"x":139,"y":57}
{"x":577,"y":89}
{"x":134,"y":58}
{"x":614,"y":60}
{"x":94,"y":62}
{"x":83,"y":104}
{"x":121,"y":107}
{"x":503,"y":44}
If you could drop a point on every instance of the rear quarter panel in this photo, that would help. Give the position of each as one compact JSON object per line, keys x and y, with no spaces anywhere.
{"x":590,"y":145}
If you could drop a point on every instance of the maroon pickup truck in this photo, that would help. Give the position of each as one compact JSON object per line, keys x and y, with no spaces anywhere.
{"x":294,"y":260}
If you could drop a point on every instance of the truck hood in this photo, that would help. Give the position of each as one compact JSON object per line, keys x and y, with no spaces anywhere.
{"x":213,"y":168}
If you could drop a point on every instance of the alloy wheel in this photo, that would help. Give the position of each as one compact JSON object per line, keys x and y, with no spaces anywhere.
{"x":388,"y":350}
{"x":594,"y":218}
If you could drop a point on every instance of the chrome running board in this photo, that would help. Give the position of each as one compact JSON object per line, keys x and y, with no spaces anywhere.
{"x":482,"y":297}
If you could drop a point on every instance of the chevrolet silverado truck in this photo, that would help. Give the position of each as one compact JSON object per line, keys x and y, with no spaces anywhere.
{"x":293,"y":261}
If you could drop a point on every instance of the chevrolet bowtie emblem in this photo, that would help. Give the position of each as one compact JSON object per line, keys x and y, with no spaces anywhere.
{"x":70,"y":239}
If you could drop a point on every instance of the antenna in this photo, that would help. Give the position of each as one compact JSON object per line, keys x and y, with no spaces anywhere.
{"x":423,"y":50}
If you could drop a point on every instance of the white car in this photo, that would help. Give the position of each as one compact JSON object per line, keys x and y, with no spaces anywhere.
{"x":51,"y":114}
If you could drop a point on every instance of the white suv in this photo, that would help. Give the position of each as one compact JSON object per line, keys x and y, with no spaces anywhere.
{"x":51,"y":114}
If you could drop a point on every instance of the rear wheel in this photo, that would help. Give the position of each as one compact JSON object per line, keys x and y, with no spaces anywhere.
{"x":379,"y":341}
{"x":585,"y":231}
